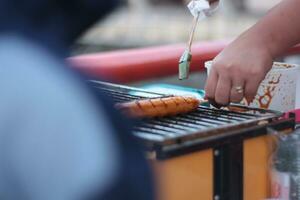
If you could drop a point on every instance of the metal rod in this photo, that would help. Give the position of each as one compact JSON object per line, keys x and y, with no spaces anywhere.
{"x":192,"y":33}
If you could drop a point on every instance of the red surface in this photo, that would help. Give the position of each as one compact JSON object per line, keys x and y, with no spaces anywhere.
{"x":140,"y":64}
{"x":296,"y":113}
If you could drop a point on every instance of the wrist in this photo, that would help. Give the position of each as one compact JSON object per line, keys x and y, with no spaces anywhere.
{"x":260,"y":43}
{"x":257,"y":47}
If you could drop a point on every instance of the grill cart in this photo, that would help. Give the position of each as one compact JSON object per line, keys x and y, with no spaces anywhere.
{"x":207,"y":154}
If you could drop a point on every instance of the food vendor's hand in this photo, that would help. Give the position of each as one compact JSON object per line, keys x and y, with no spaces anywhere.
{"x":237,"y":72}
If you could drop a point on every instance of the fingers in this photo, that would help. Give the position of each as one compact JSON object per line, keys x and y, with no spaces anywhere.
{"x":237,"y":90}
{"x":225,"y":86}
{"x":211,"y":84}
{"x":251,"y":88}
{"x":223,"y":89}
{"x":218,"y":88}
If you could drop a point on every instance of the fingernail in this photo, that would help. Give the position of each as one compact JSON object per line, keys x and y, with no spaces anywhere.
{"x":249,"y":100}
{"x":214,"y":103}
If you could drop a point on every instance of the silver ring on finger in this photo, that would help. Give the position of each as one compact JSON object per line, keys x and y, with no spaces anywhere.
{"x":239,"y":89}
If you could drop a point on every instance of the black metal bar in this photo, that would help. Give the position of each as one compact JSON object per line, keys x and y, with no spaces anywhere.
{"x":168,"y":150}
{"x":244,"y":115}
{"x":228,"y":171}
{"x":216,"y":117}
{"x":169,"y":130}
{"x":208,"y":120}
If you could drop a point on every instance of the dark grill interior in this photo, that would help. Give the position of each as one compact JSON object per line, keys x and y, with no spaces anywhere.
{"x":202,"y":123}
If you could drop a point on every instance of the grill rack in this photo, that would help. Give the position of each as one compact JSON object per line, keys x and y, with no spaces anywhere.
{"x":221,"y":132}
{"x":205,"y":126}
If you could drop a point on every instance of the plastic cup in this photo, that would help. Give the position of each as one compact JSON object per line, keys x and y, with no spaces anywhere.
{"x":278,"y":91}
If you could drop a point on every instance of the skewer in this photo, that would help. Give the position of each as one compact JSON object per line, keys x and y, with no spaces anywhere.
{"x":186,"y":58}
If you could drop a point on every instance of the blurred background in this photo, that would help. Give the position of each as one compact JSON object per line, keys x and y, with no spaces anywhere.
{"x":144,"y":23}
{"x":140,"y":23}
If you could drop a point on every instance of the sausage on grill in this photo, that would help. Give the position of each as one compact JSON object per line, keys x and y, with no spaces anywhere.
{"x":159,"y":107}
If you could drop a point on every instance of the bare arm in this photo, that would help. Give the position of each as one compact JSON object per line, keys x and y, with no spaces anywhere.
{"x":245,"y":62}
{"x":279,"y":29}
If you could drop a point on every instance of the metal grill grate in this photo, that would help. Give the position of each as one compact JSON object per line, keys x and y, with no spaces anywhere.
{"x":202,"y":123}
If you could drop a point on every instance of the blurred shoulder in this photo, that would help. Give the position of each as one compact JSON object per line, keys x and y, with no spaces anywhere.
{"x":46,"y":108}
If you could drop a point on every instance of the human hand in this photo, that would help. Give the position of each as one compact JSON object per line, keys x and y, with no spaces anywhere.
{"x":237,"y":72}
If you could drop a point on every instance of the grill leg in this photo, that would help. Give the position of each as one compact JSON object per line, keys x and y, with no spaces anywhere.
{"x":228,"y":172}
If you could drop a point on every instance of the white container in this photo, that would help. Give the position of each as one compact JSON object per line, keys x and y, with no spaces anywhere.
{"x":280,"y":185}
{"x":278,"y":91}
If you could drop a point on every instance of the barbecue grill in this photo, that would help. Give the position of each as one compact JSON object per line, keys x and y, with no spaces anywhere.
{"x":209,"y":153}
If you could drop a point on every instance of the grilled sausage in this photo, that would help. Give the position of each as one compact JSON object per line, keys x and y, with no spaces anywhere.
{"x":159,"y":107}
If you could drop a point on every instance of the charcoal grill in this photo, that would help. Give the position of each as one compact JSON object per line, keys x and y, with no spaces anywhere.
{"x":222,"y":136}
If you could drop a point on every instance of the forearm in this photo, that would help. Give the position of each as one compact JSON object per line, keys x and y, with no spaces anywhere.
{"x":278,"y":30}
